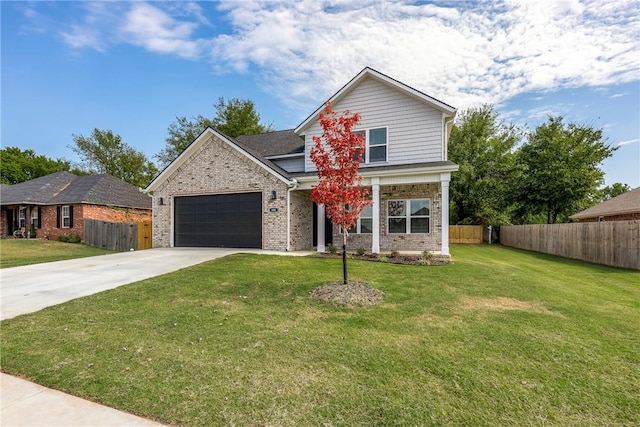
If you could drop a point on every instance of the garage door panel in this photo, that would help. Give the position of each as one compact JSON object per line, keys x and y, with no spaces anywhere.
{"x":224,"y":220}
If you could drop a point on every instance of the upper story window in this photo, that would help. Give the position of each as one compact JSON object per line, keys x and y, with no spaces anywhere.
{"x":66,"y":217}
{"x":408,"y":216}
{"x":375,"y":145}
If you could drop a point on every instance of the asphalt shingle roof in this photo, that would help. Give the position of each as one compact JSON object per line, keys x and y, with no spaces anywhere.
{"x":628,"y":202}
{"x":64,"y":187}
{"x":274,"y":143}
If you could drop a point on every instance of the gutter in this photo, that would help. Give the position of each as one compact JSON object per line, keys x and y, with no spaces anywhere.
{"x":292,"y":186}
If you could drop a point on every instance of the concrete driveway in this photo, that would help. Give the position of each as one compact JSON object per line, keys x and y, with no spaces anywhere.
{"x":31,"y":288}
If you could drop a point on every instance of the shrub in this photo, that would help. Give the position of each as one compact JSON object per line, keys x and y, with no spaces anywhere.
{"x":360,"y":251}
{"x":69,"y":238}
{"x":394,"y":254}
{"x":331,"y":249}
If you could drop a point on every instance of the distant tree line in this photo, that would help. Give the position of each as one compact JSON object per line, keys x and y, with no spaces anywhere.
{"x":506,"y":176}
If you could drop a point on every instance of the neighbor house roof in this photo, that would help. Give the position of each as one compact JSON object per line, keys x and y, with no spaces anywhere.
{"x":67,"y":188}
{"x":274,"y":143}
{"x":625,"y":203}
{"x":368,"y":72}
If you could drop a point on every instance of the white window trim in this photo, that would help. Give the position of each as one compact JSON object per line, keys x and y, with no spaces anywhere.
{"x":367,"y":156}
{"x":67,"y":216}
{"x":34,"y":217}
{"x":359,"y":224}
{"x":407,"y":216}
{"x":22,"y":218}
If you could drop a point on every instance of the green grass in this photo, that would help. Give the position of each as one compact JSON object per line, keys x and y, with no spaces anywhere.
{"x":16,"y":252}
{"x":501,"y":337}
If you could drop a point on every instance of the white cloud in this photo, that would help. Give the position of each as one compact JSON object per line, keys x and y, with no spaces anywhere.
{"x":96,"y":28}
{"x":619,"y":95}
{"x":140,"y":24}
{"x":631,"y":141}
{"x":156,"y":31}
{"x":464,"y":53}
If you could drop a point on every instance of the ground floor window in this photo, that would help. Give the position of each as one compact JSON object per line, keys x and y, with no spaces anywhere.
{"x":408,"y":216}
{"x":364,"y":225}
{"x":22,"y":218}
{"x":34,"y":217}
{"x":66,"y":217}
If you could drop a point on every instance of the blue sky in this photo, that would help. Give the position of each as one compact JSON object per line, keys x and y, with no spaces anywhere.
{"x":132,"y":67}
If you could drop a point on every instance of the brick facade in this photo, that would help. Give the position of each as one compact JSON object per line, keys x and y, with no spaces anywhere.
{"x":301,"y":220}
{"x":214,"y":166}
{"x":217,"y":168}
{"x":49,"y":219}
{"x":621,"y":217}
{"x":402,"y":242}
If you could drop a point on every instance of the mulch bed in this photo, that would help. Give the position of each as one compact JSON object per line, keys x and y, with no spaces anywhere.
{"x":353,"y":294}
{"x":397,"y":259}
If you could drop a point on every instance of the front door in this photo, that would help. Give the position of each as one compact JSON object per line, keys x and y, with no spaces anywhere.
{"x":10,"y":222}
{"x":328,"y":227}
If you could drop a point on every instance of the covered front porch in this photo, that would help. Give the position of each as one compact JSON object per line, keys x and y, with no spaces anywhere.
{"x":409,"y":213}
{"x":21,"y":221}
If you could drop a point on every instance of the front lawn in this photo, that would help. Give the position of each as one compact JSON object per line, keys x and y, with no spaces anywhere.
{"x":15,"y":252}
{"x":501,"y":337}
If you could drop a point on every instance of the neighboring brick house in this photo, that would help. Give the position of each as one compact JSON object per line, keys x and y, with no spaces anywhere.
{"x":254,"y":190}
{"x":624,"y":207}
{"x":58,"y":203}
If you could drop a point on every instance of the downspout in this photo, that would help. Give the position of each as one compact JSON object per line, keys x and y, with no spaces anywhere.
{"x":445,"y":138}
{"x":292,"y":186}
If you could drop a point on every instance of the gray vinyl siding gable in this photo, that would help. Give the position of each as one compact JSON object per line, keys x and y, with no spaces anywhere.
{"x":294,"y":164}
{"x":414,"y":128}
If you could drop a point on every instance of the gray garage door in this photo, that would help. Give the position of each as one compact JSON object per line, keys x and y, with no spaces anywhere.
{"x":223,"y":220}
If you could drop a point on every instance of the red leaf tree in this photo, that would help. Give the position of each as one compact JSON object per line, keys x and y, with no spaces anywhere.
{"x":337,"y":156}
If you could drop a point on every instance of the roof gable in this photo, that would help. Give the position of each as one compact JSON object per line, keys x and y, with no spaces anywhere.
{"x":628,"y":202}
{"x":248,"y":152}
{"x":368,"y":72}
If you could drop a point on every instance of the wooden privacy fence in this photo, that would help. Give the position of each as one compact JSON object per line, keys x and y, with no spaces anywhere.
{"x":465,"y":234}
{"x":117,"y":236}
{"x":615,"y":243}
{"x":144,"y":235}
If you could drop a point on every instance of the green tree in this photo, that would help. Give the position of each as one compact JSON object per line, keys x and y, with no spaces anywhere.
{"x":237,"y":117}
{"x":483,"y":147}
{"x":560,"y":169}
{"x":233,"y":118}
{"x":182,"y":132}
{"x":104,"y":152}
{"x":613,"y":190}
{"x":24,"y":165}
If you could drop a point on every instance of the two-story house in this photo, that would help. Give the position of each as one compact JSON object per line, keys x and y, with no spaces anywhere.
{"x":254,"y":191}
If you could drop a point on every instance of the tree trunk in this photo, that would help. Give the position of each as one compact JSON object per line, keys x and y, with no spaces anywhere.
{"x":344,"y":255}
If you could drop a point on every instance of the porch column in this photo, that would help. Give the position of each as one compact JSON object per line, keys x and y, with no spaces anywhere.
{"x":320,"y":236}
{"x":444,"y":184}
{"x":27,"y":221}
{"x":375,"y":238}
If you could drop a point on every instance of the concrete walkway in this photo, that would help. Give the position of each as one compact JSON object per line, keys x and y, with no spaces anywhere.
{"x":34,"y":287}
